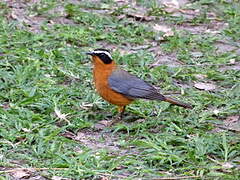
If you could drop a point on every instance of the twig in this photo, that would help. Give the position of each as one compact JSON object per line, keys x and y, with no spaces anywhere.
{"x":176,"y":178}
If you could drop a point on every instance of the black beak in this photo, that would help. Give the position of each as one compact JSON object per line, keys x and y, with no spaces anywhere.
{"x":90,"y":53}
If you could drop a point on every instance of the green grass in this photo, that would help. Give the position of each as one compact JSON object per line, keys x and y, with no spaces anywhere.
{"x":45,"y":71}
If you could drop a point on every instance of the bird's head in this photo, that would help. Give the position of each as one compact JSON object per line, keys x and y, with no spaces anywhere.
{"x":102,"y":54}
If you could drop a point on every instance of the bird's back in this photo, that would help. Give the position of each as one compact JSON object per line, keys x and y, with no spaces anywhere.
{"x":133,"y":87}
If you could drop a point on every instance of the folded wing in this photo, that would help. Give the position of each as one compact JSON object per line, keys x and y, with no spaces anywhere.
{"x":133,"y":87}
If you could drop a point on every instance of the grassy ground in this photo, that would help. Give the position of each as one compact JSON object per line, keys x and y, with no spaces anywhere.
{"x":49,"y":105}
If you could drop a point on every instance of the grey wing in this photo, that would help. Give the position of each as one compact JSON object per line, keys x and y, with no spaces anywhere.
{"x":131,"y":86}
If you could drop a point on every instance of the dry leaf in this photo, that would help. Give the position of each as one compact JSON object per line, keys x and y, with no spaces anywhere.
{"x":231,"y":120}
{"x":232,"y":61}
{"x":140,"y":120}
{"x":26,"y":130}
{"x":190,"y":11}
{"x":171,"y":5}
{"x":216,"y":112}
{"x":59,"y":114}
{"x":231,"y":123}
{"x":16,"y":15}
{"x":227,"y":165}
{"x":18,"y":174}
{"x":205,"y":86}
{"x":200,"y":76}
{"x":56,"y":178}
{"x":165,"y":29}
{"x":5,"y":105}
{"x":212,"y":31}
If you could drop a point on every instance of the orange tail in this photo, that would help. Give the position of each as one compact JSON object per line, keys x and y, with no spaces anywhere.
{"x":178,"y":103}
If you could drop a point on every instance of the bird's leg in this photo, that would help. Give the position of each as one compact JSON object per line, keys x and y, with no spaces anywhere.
{"x":121,"y":110}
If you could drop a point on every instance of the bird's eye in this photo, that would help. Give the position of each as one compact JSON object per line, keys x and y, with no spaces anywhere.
{"x":102,"y":55}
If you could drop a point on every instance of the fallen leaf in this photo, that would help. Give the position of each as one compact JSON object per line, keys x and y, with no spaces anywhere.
{"x":227,"y":165}
{"x":59,"y":114}
{"x":232,"y":61}
{"x":205,"y":86}
{"x":171,"y":5}
{"x":16,"y":15}
{"x":56,"y":178}
{"x":231,"y":123}
{"x":190,"y":11}
{"x":212,"y":31}
{"x":36,"y":178}
{"x":200,"y":76}
{"x":18,"y":174}
{"x":26,"y":130}
{"x":216,"y":111}
{"x":140,"y":120}
{"x":232,"y":119}
{"x":5,"y":105}
{"x":165,"y":29}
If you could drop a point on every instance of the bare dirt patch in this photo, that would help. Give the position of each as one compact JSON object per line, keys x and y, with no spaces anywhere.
{"x":223,"y":46}
{"x":231,"y":123}
{"x":96,"y":140}
{"x":166,"y":59}
{"x":214,"y":27}
{"x":106,"y":45}
{"x":20,"y":11}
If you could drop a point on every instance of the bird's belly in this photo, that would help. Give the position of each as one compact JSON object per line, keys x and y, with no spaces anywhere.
{"x":102,"y":87}
{"x":113,"y":97}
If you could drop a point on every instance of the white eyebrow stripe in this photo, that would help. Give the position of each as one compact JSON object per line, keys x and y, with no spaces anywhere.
{"x":105,"y":52}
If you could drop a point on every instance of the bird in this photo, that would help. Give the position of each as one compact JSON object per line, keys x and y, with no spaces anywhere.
{"x":119,"y":87}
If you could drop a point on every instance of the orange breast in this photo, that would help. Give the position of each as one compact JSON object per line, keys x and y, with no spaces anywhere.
{"x":101,"y":72}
